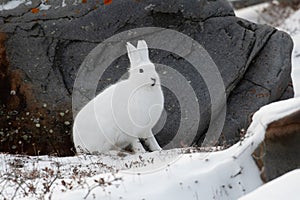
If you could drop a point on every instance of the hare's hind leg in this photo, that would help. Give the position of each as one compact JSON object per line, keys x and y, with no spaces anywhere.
{"x":152,"y":143}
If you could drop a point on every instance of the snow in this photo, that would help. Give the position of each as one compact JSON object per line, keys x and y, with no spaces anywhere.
{"x":28,"y":3}
{"x":252,"y":13}
{"x":210,"y":173}
{"x":11,"y":4}
{"x":291,"y":26}
{"x":284,"y":187}
{"x":44,"y":5}
{"x":296,"y":63}
{"x":193,"y":176}
{"x":180,"y":175}
{"x":63,"y":4}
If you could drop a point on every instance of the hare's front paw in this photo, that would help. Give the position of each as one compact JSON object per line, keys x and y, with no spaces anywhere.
{"x":152,"y":144}
{"x":137,"y":147}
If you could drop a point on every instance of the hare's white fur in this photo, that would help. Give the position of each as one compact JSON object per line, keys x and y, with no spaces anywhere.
{"x":124,"y":112}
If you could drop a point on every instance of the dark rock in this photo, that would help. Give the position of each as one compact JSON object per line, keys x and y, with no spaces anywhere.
{"x":269,"y":76}
{"x":288,"y":93}
{"x":50,"y":45}
{"x":244,"y":100}
{"x":269,"y":70}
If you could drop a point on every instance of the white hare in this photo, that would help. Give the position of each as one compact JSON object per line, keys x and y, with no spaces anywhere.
{"x":124,"y":112}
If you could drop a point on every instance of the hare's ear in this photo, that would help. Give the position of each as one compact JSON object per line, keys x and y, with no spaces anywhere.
{"x":143,"y":50}
{"x":133,"y":55}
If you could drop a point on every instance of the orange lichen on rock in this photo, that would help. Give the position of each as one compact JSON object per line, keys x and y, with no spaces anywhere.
{"x":106,"y":2}
{"x":35,"y":10}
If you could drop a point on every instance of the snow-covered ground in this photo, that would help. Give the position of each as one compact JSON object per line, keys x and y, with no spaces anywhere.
{"x":174,"y":174}
{"x":284,"y":187}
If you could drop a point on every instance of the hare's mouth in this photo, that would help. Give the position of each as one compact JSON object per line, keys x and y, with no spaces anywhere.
{"x":154,"y":81}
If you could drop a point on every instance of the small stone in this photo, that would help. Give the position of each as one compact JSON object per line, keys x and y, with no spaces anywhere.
{"x":25,"y":137}
{"x":62,"y":114}
{"x":44,"y":105}
{"x":13,"y":92}
{"x":67,"y":123}
{"x":38,"y":125}
{"x":50,"y":131}
{"x":27,"y":113}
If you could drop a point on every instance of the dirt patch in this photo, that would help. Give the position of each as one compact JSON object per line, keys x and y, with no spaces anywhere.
{"x":27,"y":126}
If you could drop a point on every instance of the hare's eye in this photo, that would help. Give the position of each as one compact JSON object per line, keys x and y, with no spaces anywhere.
{"x":141,"y":70}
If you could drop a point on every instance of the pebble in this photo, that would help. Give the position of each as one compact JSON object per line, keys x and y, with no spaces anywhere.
{"x":13,"y":92}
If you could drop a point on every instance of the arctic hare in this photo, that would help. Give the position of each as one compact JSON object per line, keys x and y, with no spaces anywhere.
{"x":124,"y":112}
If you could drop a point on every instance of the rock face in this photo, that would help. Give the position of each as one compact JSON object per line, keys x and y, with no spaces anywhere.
{"x":47,"y":47}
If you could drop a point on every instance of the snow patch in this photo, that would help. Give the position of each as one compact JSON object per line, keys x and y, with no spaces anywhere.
{"x":284,"y":187}
{"x":291,"y":26}
{"x":28,"y":3}
{"x":252,"y":13}
{"x":44,"y":5}
{"x":63,"y":4}
{"x":296,"y":65}
{"x":11,"y":4}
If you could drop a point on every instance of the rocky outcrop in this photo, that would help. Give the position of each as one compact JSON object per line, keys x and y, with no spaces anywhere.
{"x":47,"y":47}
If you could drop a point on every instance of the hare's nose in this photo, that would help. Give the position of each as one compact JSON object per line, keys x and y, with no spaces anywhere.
{"x":154,"y":81}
